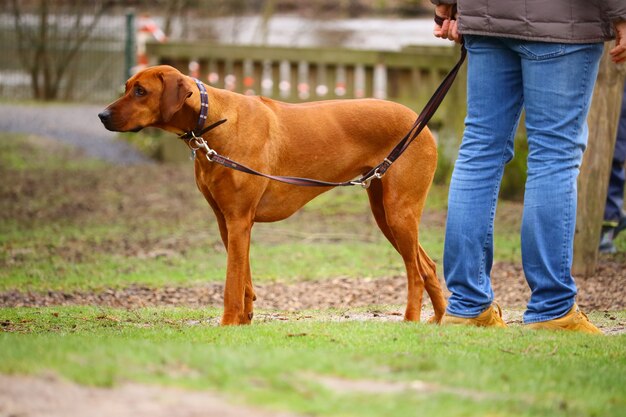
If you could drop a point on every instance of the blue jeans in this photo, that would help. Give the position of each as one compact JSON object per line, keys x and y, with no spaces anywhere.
{"x":617,"y":179}
{"x":553,"y":83}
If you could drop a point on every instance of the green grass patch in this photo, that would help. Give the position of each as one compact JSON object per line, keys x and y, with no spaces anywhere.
{"x":285,"y":262}
{"x":287,"y":365}
{"x":72,"y":223}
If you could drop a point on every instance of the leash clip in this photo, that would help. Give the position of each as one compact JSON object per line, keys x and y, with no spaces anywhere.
{"x":204,"y":145}
{"x":198,"y":142}
{"x":379,"y":172}
{"x":366,"y":181}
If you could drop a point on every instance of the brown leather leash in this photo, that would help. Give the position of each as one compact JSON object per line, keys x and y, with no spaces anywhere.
{"x":195,"y":141}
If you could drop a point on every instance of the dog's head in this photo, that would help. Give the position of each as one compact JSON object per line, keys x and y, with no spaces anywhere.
{"x":152,"y":98}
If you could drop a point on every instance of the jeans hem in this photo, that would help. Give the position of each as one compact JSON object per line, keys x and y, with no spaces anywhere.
{"x":469,"y":315}
{"x":540,"y":318}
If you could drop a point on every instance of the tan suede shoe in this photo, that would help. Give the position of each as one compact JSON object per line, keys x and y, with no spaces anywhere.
{"x":575,"y":320}
{"x":492,"y":317}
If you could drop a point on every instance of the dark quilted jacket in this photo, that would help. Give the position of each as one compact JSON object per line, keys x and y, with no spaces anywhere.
{"x":568,"y":21}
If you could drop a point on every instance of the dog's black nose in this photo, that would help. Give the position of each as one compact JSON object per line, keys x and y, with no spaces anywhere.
{"x":104,"y":116}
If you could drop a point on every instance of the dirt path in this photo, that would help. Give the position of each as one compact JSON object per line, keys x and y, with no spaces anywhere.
{"x":354,"y":299}
{"x":604,"y":292}
{"x":22,"y":396}
{"x":72,"y":124}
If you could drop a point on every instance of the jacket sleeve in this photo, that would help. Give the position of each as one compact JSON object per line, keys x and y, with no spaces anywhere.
{"x":615,"y":9}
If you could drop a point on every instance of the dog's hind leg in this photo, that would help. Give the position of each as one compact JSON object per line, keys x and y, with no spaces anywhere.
{"x":433,"y":286}
{"x":399,"y":223}
{"x":375,"y":194}
{"x":406,"y":222}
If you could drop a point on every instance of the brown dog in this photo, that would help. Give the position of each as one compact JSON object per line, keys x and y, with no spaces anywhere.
{"x":328,"y":140}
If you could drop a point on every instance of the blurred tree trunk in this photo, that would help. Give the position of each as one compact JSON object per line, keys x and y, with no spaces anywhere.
{"x":262,"y":31}
{"x":595,"y":169}
{"x":47,"y":48}
{"x":174,"y":8}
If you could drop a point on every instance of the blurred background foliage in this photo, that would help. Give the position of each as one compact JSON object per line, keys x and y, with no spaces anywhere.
{"x":70,"y":50}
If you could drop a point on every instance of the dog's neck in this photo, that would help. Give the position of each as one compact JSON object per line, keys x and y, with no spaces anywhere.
{"x":194,"y":114}
{"x":203,"y":114}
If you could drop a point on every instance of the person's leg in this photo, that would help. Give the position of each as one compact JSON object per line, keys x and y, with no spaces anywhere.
{"x":558,"y":84}
{"x":614,"y":215}
{"x":615,"y":195}
{"x":494,"y":101}
{"x":619,"y":159}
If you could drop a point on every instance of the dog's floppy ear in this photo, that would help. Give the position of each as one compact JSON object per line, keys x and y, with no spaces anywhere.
{"x":175,"y":92}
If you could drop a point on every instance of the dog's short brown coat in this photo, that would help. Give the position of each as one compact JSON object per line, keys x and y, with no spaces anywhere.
{"x":328,"y":140}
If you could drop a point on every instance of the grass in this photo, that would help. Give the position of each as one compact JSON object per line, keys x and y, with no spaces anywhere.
{"x":285,"y":262}
{"x":68,"y":223}
{"x":287,"y":365}
{"x":72,"y":223}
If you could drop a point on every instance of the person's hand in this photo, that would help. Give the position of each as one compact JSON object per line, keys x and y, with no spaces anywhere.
{"x":449,"y":29}
{"x":618,"y":53}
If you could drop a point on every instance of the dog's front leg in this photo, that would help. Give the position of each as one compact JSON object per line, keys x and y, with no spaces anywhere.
{"x":237,"y":291}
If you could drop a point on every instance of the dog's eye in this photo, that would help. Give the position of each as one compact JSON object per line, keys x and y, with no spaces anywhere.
{"x":140,"y":91}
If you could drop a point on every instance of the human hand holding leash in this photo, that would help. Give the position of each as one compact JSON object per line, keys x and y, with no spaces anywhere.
{"x":447,"y":29}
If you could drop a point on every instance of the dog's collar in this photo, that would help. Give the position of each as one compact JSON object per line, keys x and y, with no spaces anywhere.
{"x":204,"y":105}
{"x":204,"y":113}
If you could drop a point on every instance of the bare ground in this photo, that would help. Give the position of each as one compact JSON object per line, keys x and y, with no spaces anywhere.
{"x":602,"y":292}
{"x":49,"y":396}
{"x":359,"y":299}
